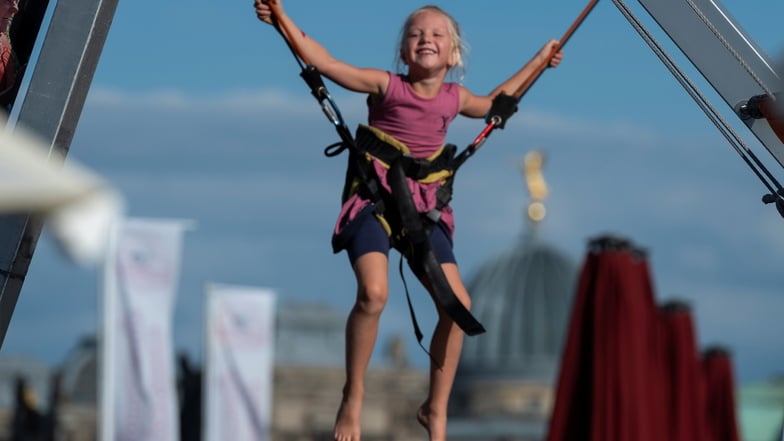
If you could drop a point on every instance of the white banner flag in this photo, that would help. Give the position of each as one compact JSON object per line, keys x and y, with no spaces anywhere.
{"x":239,"y":363}
{"x":138,"y":395}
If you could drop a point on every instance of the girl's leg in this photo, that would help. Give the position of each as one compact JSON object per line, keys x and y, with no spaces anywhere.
{"x":445,"y":347}
{"x":371,"y":271}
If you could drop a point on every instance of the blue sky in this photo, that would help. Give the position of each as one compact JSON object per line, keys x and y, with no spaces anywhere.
{"x":197,"y":112}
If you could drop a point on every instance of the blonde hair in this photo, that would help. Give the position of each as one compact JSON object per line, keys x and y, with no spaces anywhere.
{"x":459,"y":45}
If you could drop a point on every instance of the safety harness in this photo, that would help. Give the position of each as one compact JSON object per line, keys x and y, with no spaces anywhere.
{"x":374,"y":144}
{"x":408,"y":229}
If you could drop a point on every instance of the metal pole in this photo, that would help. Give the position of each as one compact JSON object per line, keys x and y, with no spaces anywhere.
{"x":51,"y":109}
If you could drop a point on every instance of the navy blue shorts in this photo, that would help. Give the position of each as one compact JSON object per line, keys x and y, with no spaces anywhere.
{"x":370,"y":236}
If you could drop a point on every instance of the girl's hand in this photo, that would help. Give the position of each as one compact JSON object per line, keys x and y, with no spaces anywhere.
{"x":263,"y":11}
{"x":548,"y":52}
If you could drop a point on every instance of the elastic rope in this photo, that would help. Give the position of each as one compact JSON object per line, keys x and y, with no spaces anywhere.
{"x":495,"y":121}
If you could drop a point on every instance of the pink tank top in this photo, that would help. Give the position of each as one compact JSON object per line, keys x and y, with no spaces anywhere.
{"x":420,"y":123}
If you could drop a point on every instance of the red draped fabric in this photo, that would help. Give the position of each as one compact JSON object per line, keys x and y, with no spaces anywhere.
{"x":684,"y":386}
{"x":632,"y":371}
{"x":608,"y":383}
{"x":721,"y":417}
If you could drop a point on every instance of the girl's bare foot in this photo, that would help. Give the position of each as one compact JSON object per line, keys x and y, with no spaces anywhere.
{"x":433,"y":423}
{"x":347,"y":423}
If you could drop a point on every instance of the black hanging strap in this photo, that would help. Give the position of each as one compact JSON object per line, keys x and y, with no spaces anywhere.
{"x":415,"y":245}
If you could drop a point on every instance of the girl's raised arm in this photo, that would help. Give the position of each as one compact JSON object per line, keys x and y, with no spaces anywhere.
{"x":477,"y":106}
{"x":363,"y":80}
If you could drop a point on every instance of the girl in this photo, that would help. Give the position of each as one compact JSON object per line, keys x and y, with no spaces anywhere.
{"x":414,"y":108}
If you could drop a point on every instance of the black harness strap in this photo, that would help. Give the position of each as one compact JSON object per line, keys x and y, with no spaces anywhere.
{"x":410,"y":230}
{"x":415,"y":245}
{"x":414,"y":168}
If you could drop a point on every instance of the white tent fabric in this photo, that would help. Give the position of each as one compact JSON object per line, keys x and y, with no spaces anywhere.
{"x":78,"y":206}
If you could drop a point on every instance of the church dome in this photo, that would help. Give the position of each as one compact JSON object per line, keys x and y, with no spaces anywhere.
{"x":523,"y":298}
{"x":505,"y":380}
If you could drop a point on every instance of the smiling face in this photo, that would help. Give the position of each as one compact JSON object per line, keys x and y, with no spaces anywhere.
{"x":430,"y":42}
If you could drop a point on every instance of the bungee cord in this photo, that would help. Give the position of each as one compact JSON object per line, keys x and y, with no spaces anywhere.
{"x":318,"y":89}
{"x":506,"y":105}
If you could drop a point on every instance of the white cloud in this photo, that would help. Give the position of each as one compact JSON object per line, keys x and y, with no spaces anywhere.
{"x":178,"y":101}
{"x":237,"y":190}
{"x":587,"y":130}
